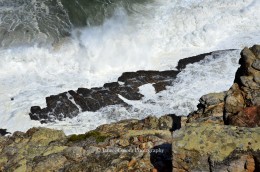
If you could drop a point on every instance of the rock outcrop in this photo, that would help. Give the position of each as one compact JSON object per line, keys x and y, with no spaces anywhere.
{"x":71,"y":103}
{"x":214,"y":147}
{"x":3,"y":132}
{"x":210,"y":109}
{"x":222,"y":135}
{"x":206,"y":144}
{"x":129,"y":145}
{"x":242,"y":103}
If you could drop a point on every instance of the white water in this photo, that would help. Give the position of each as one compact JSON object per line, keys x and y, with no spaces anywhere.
{"x":157,"y":38}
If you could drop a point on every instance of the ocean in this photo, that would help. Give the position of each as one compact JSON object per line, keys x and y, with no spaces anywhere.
{"x":51,"y":46}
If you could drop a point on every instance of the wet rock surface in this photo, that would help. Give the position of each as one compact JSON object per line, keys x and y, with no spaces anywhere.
{"x":71,"y":103}
{"x":3,"y":132}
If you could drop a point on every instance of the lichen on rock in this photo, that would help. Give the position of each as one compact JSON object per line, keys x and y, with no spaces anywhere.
{"x":194,"y":144}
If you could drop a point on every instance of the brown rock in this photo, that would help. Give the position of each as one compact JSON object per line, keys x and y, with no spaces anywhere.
{"x":141,"y":139}
{"x":256,"y":64}
{"x":170,"y":122}
{"x":211,"y":114}
{"x":245,"y":163}
{"x":123,"y":142}
{"x":234,"y":101}
{"x":256,"y":50}
{"x":248,"y":117}
{"x":154,"y":170}
{"x":52,"y":162}
{"x":74,"y":153}
{"x":132,"y":162}
{"x":151,"y":122}
{"x":212,"y":147}
{"x":250,"y":164}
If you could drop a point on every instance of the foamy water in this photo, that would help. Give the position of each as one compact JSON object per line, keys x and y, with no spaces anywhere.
{"x":155,"y":37}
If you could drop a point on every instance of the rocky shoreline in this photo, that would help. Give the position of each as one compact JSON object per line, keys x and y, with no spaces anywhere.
{"x":71,"y":103}
{"x":222,"y":135}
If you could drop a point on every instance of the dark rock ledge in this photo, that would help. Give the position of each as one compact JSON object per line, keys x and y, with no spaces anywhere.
{"x":71,"y":103}
{"x":3,"y":132}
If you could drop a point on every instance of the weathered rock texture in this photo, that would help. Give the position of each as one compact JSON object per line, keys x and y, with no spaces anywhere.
{"x":129,"y":145}
{"x":206,"y":144}
{"x":214,"y":147}
{"x":242,"y":103}
{"x":200,"y":143}
{"x":210,"y":109}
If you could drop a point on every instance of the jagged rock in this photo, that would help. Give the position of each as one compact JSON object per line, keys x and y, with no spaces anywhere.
{"x":205,"y":144}
{"x":256,"y":50}
{"x":21,"y":148}
{"x":212,"y":99}
{"x":3,"y":132}
{"x":245,"y":92}
{"x":256,"y":64}
{"x":167,"y":122}
{"x":170,"y":122}
{"x":253,"y":97}
{"x":71,"y":103}
{"x":210,"y":109}
{"x":184,"y":62}
{"x":44,"y":135}
{"x":234,"y":101}
{"x":52,"y":162}
{"x":190,"y":60}
{"x":141,"y":77}
{"x":160,"y":86}
{"x":211,"y":147}
{"x":111,"y":147}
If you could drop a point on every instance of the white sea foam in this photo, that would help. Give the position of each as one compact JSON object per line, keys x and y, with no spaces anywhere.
{"x":155,"y":38}
{"x":214,"y":74}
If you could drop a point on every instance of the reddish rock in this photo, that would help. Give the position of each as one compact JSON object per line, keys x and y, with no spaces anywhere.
{"x":154,"y":170}
{"x":248,"y":117}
